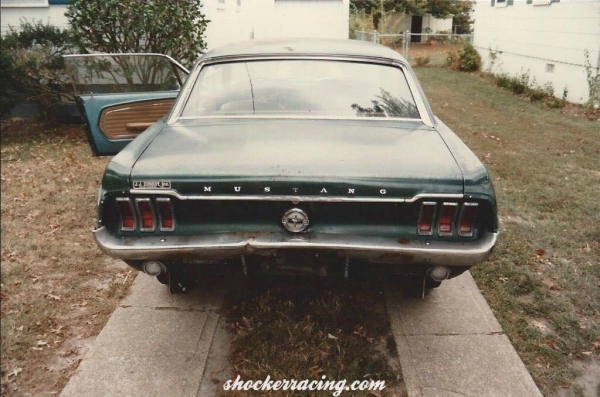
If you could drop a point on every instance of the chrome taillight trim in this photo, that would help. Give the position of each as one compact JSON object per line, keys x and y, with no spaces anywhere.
{"x":133,"y":213}
{"x":141,"y":218}
{"x":453,"y":224}
{"x":160,"y":224}
{"x":428,"y":204}
{"x":462,"y":211}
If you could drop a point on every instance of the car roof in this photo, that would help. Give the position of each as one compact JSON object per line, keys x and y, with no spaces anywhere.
{"x":314,"y":47}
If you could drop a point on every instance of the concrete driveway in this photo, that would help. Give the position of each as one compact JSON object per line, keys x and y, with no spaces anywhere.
{"x":157,"y":344}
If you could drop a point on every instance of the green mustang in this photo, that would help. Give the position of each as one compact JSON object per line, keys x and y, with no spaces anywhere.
{"x":291,"y":156}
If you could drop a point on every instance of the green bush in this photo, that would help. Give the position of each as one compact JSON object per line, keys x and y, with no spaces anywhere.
{"x":174,"y":28}
{"x":521,"y":85}
{"x":9,"y":92}
{"x":465,"y":60}
{"x":32,"y":62}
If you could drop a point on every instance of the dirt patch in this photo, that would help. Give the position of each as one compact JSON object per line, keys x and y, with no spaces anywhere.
{"x":589,"y":380}
{"x":542,"y":326}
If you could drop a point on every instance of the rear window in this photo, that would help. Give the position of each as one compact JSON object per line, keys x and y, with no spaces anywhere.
{"x":317,"y":88}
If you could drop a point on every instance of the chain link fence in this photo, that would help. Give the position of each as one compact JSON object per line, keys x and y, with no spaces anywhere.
{"x":433,"y":46}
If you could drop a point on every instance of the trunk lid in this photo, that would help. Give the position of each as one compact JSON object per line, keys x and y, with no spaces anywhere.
{"x":300,"y":157}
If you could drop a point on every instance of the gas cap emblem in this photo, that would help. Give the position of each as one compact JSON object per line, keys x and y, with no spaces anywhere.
{"x":295,"y":220}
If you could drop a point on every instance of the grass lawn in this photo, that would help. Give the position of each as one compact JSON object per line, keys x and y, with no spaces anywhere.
{"x":58,"y":290}
{"x":543,"y":281}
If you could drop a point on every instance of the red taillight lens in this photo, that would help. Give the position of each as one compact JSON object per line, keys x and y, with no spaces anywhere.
{"x":126,"y":212}
{"x":146,"y":214}
{"x":426,"y":218}
{"x":466,"y":225}
{"x":447,"y":216}
{"x":165,"y":212}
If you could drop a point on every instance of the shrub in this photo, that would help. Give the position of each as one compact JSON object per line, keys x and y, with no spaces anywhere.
{"x":360,"y":21}
{"x":174,"y":28}
{"x":422,"y":61}
{"x":32,"y":60}
{"x":593,"y":81}
{"x":465,"y":60}
{"x":9,"y":92}
{"x":521,"y":85}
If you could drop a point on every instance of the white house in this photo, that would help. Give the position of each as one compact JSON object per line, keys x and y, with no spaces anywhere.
{"x":237,"y":20}
{"x":399,"y":22}
{"x":231,"y":20}
{"x":48,"y":11}
{"x":546,"y":39}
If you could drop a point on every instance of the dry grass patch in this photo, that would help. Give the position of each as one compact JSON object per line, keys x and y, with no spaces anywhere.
{"x":58,"y":290}
{"x":543,"y":281}
{"x":435,"y":53}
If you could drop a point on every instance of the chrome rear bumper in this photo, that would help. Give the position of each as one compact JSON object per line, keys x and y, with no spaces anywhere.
{"x":231,"y":245}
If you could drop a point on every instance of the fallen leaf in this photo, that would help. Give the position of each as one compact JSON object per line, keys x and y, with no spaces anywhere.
{"x":551,"y":286}
{"x":540,"y":252}
{"x":551,"y":345}
{"x":587,"y":353}
{"x":316,"y":371}
{"x":332,"y":337}
{"x":15,"y":372}
{"x":596,"y":345}
{"x":56,"y":298}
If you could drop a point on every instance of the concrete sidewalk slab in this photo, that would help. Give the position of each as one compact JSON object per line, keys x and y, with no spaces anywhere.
{"x":154,"y":344}
{"x":450,"y":344}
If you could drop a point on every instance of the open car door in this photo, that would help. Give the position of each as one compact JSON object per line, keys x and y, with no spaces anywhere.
{"x":121,"y":95}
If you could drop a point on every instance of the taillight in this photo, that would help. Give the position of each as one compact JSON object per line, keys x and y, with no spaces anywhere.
{"x":426,"y":218}
{"x":146,"y":214}
{"x":126,"y":213}
{"x":165,"y":214}
{"x":447,"y":216}
{"x":466,"y":224}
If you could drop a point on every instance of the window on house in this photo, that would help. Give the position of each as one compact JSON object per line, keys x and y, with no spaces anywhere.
{"x":24,"y":3}
{"x":544,"y":2}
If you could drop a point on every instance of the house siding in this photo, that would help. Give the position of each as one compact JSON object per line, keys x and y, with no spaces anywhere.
{"x":233,"y":20}
{"x":527,"y":38}
{"x":53,"y":14}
